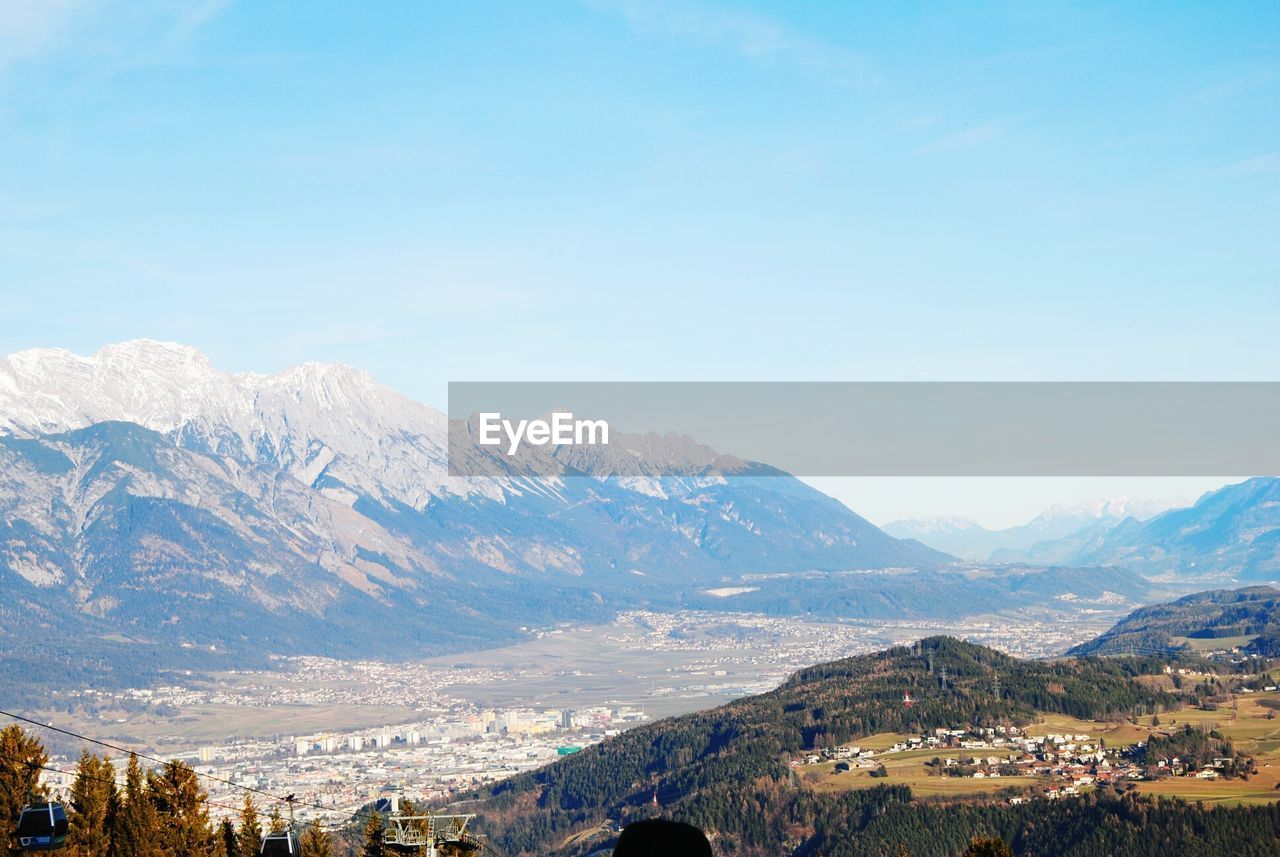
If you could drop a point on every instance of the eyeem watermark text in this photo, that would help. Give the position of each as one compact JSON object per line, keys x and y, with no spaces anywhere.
{"x":561,"y":430}
{"x":921,"y":428}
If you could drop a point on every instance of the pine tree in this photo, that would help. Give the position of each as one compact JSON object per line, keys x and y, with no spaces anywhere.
{"x":249,"y":839}
{"x":983,"y":847}
{"x":114,"y":805}
{"x":21,"y":757}
{"x":229,"y":847}
{"x":90,"y":814}
{"x":182,"y":811}
{"x":136,"y":831}
{"x":276,"y":823}
{"x":315,"y":842}
{"x":373,"y":836}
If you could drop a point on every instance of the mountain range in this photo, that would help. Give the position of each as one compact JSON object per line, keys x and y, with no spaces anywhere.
{"x":156,"y":511}
{"x":1048,"y":537}
{"x":149,"y":497}
{"x":1228,"y":535}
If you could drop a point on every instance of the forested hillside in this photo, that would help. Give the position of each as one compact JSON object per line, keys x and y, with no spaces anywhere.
{"x":1216,"y":614}
{"x":727,"y":769}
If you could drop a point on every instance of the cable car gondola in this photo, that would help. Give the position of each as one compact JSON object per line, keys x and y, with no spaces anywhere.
{"x":42,"y":827}
{"x":282,"y":843}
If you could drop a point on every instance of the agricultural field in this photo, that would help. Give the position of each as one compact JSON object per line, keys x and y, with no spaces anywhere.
{"x":906,"y":768}
{"x":1249,"y":728}
{"x":1247,"y":725}
{"x":1216,"y":644}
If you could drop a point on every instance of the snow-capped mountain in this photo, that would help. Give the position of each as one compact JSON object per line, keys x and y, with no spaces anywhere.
{"x":143,"y":487}
{"x":329,"y":426}
{"x":1228,"y":535}
{"x":1106,"y":508}
{"x":939,"y":525}
{"x":1042,"y":539}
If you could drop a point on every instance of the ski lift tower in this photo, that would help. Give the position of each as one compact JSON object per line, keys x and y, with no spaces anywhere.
{"x":409,"y":833}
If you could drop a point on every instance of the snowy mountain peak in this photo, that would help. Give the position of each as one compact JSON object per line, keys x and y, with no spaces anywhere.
{"x":1109,"y":507}
{"x":331,"y":426}
{"x":916,"y":527}
{"x":966,"y":538}
{"x":138,"y":355}
{"x":153,"y":352}
{"x":328,"y":375}
{"x":164,"y":385}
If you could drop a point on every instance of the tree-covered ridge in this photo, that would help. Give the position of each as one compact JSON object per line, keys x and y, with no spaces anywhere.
{"x":1101,"y":824}
{"x":953,"y":683}
{"x":740,"y":752}
{"x":1206,"y":615}
{"x":1266,"y":644}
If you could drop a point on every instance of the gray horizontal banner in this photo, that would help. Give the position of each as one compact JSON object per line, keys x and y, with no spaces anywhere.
{"x":658,"y":429}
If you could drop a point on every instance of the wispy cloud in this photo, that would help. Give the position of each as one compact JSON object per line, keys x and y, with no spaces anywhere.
{"x":966,"y":138}
{"x":1257,"y":165}
{"x":31,"y":27}
{"x":748,"y":34}
{"x":193,"y":17}
{"x":138,"y":33}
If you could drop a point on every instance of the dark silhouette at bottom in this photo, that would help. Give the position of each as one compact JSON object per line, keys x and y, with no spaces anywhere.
{"x":658,"y":837}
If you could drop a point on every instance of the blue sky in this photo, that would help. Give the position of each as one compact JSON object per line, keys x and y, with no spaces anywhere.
{"x":648,"y":190}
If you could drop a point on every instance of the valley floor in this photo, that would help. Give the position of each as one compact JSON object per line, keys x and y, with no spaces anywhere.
{"x":666,"y":664}
{"x":452,"y":723}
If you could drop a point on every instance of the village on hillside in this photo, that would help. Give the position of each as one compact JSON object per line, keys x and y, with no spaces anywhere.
{"x":1062,"y":763}
{"x":1225,"y":748}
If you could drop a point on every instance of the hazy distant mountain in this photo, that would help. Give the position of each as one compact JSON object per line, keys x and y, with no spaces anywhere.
{"x":147,"y":492}
{"x":965,"y":537}
{"x":1039,"y":540}
{"x":1229,"y":534}
{"x":1217,"y":614}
